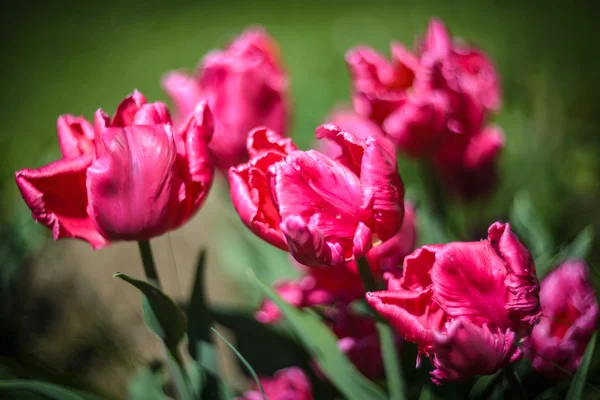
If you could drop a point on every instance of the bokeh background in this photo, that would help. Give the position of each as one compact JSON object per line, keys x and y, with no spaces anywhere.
{"x":63,"y":316}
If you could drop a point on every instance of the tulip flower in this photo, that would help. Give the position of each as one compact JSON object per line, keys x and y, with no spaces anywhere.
{"x":127,"y":178}
{"x":324,"y":211}
{"x":466,"y":305}
{"x":245,"y":87}
{"x":286,"y":384}
{"x":570,"y":317}
{"x":379,"y":86}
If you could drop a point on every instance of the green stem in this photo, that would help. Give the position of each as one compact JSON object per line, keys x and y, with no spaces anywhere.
{"x":148,"y":262}
{"x":389,"y":353}
{"x":514,"y":383}
{"x":434,"y":191}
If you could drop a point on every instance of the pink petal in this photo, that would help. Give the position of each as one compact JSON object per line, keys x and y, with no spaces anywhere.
{"x":183,"y":90}
{"x":132,"y":186}
{"x":308,"y":245}
{"x":152,"y":114}
{"x":352,"y":147}
{"x":126,"y":111}
{"x":57,"y":197}
{"x":381,"y":187}
{"x":469,"y":281}
{"x":321,"y":192}
{"x":522,"y":297}
{"x":390,"y":254}
{"x":413,"y":314}
{"x":437,"y":39}
{"x":261,"y":140}
{"x":417,"y":268}
{"x":249,"y":189}
{"x":465,"y":350}
{"x":75,"y":136}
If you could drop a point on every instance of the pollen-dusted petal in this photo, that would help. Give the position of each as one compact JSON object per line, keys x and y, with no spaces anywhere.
{"x":57,"y":197}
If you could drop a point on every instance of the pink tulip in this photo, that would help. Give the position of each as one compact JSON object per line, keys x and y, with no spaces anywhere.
{"x":324,"y":211}
{"x":245,"y":87}
{"x":128,"y":178}
{"x":465,"y":304}
{"x":379,"y":86}
{"x":287,"y":384}
{"x":342,"y":285}
{"x":570,"y":317}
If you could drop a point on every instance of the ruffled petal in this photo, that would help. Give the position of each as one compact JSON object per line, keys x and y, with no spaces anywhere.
{"x":469,"y":281}
{"x":465,"y":350}
{"x":417,"y":268}
{"x":308,"y":245}
{"x":352,"y":147}
{"x":131,"y":187}
{"x":381,"y":187}
{"x":522,"y":300}
{"x":412,"y":313}
{"x":57,"y":197}
{"x":249,"y":189}
{"x":261,"y":140}
{"x":75,"y":136}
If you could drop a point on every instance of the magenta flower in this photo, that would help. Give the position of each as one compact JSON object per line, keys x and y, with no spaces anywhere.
{"x":570,"y":316}
{"x":465,"y":304}
{"x":324,"y":211}
{"x":379,"y":86}
{"x":287,"y":384}
{"x":128,"y":178}
{"x":245,"y":87}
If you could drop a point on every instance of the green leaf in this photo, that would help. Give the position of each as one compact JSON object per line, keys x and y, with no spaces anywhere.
{"x":148,"y":385}
{"x":161,"y":314}
{"x":46,"y":389}
{"x":318,"y":339}
{"x":580,"y":246}
{"x":484,"y":386}
{"x":578,"y":383}
{"x":245,"y":362}
{"x":529,"y":225}
{"x":200,"y":345}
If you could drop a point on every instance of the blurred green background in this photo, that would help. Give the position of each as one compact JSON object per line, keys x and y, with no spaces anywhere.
{"x":74,"y":57}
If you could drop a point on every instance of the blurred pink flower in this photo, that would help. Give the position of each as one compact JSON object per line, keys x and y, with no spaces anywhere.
{"x":465,"y":304}
{"x":128,"y":178}
{"x":324,"y":211}
{"x":287,"y":384}
{"x":245,"y":87}
{"x":570,"y":316}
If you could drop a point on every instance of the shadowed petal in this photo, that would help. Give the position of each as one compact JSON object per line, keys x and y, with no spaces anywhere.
{"x":75,"y":136}
{"x":57,"y":197}
{"x":308,"y":245}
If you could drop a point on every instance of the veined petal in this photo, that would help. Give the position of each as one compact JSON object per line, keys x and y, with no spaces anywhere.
{"x":416,"y":274}
{"x":469,"y":281}
{"x":315,"y":188}
{"x":308,"y":245}
{"x":57,"y":197}
{"x":381,"y":187}
{"x":466,"y":349}
{"x":75,"y":136}
{"x":352,"y":147}
{"x":522,"y":300}
{"x":132,"y":185}
{"x":412,"y":313}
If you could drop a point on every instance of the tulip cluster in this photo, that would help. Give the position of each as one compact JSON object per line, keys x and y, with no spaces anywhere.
{"x":471,"y":307}
{"x":433,"y":104}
